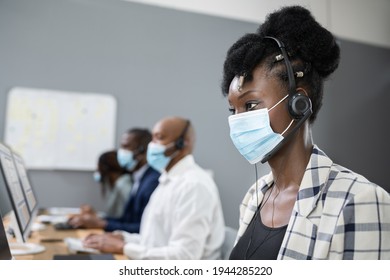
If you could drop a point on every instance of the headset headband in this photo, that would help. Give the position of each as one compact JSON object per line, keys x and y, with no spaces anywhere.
{"x":290,"y":72}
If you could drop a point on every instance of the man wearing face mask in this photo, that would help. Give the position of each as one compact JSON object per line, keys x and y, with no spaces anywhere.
{"x":132,"y":157}
{"x":184,"y":218}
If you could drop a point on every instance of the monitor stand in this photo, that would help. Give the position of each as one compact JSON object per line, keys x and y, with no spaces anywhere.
{"x":19,"y":249}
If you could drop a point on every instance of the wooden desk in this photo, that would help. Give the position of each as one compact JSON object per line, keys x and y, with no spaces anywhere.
{"x":57,"y":247}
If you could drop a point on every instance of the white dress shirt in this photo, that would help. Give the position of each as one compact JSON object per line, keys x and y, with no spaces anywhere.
{"x":183,"y":219}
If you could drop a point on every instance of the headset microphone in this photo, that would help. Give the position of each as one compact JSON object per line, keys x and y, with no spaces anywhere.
{"x":299,"y":105}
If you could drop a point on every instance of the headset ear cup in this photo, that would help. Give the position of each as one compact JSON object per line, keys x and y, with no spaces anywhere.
{"x":298,"y":105}
{"x":179,"y":144}
{"x":141,"y":149}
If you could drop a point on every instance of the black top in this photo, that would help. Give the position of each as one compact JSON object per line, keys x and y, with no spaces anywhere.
{"x":258,"y":242}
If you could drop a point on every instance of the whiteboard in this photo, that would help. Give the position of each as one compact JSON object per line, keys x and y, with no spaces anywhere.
{"x":54,"y":129}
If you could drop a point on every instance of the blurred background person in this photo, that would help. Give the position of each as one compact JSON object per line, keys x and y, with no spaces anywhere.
{"x":184,"y":218}
{"x":115,"y":184}
{"x":132,"y":157}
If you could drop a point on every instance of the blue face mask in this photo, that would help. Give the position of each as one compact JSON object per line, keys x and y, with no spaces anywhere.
{"x":156,"y":157}
{"x":126,"y":159}
{"x":97,"y":177}
{"x":252,"y":134}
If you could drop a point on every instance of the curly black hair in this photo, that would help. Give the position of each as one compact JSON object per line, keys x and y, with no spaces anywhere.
{"x":108,"y":164}
{"x":312,"y":49}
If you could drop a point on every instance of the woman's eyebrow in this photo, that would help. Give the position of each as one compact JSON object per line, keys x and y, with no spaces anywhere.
{"x":246,"y":93}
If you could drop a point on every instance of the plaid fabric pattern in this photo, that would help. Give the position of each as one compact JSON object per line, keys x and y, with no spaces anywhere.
{"x":338,"y":214}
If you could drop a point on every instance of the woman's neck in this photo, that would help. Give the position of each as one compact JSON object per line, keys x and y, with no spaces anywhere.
{"x":289,"y":164}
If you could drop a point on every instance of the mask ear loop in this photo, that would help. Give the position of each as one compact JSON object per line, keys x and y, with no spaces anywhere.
{"x":287,"y":127}
{"x":280,"y":101}
{"x":168,"y":147}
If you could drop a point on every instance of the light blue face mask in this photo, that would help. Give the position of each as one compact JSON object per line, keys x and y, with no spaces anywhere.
{"x":252,"y":134}
{"x":97,"y":177}
{"x":156,"y":157}
{"x":126,"y":159}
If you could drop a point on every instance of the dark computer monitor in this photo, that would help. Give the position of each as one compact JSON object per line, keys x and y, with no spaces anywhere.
{"x":5,"y":210}
{"x":5,"y":252}
{"x":5,"y":203}
{"x":20,"y":217}
{"x":29,"y":193}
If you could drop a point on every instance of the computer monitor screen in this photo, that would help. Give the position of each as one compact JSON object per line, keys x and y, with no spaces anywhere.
{"x":5,"y":203}
{"x":5,"y":210}
{"x":29,"y":193}
{"x":21,"y":218}
{"x":5,"y":252}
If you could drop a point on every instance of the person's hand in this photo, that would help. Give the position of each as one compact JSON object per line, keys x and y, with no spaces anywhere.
{"x":87,"y":221}
{"x":105,"y":243}
{"x":87,"y":209}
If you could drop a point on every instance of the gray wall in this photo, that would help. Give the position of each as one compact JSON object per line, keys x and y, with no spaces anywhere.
{"x":160,"y":62}
{"x":353,"y":126}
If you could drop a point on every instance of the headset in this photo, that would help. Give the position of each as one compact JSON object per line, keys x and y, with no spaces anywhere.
{"x":299,"y":104}
{"x":179,"y":143}
{"x":139,"y":151}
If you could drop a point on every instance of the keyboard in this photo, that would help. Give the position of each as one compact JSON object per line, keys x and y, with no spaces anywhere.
{"x":84,"y":257}
{"x":61,"y":211}
{"x":63,"y":226}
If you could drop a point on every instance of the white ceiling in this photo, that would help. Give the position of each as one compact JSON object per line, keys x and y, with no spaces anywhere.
{"x":366,"y":21}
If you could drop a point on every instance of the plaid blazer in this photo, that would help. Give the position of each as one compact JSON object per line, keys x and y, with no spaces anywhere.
{"x":338,"y":214}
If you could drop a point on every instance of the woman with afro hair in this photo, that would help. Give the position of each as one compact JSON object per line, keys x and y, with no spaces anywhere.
{"x":307,"y":207}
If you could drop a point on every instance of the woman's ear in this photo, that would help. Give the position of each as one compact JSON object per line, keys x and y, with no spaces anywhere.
{"x":302,"y":91}
{"x":299,"y":104}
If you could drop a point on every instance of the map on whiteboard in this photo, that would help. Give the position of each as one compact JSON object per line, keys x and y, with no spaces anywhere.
{"x":58,"y":129}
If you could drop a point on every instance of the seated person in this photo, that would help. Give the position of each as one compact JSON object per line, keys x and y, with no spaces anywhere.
{"x":115,"y":184}
{"x":132,"y":156}
{"x":307,"y":206}
{"x":184,"y":218}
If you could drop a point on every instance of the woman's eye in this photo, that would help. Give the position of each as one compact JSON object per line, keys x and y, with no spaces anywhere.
{"x":232,"y":111}
{"x":251,"y":106}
